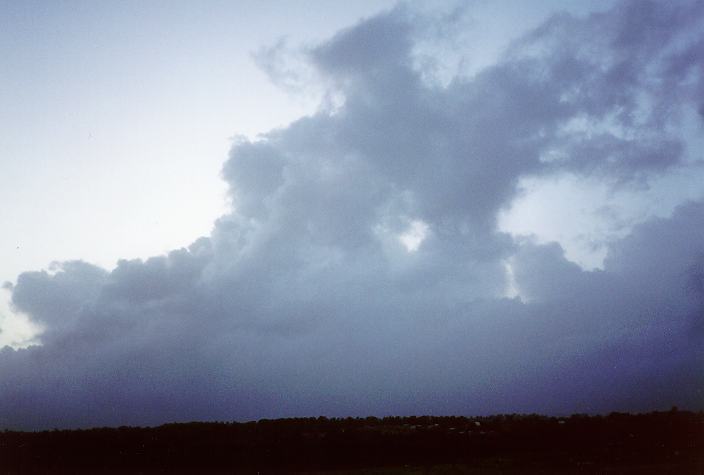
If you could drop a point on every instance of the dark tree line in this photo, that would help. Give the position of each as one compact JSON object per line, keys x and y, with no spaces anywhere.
{"x":657,"y":442}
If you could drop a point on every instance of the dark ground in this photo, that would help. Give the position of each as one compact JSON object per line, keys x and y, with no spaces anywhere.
{"x":660,"y":442}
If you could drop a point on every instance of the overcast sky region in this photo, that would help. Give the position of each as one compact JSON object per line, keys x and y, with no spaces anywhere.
{"x":244,"y":210}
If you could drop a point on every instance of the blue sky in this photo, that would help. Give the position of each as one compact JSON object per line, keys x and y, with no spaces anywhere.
{"x":278,"y":209}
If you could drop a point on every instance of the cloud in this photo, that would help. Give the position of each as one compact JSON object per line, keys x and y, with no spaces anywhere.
{"x":285,"y":66}
{"x":305,"y":300}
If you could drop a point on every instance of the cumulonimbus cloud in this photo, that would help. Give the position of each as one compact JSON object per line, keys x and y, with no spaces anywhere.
{"x":304,"y":300}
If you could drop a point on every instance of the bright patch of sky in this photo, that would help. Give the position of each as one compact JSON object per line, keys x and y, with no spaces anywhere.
{"x":586,"y":215}
{"x":414,"y":236}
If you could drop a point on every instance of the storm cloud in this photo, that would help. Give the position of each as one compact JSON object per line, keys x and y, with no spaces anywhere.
{"x":361,"y":269}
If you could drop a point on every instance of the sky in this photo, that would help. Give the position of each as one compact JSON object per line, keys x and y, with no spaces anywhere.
{"x":238,"y":210}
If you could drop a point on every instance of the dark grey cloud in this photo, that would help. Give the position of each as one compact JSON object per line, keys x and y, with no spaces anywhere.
{"x":303,"y":300}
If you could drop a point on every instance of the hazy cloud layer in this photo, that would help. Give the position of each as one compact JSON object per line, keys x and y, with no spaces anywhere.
{"x":305,"y":299}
